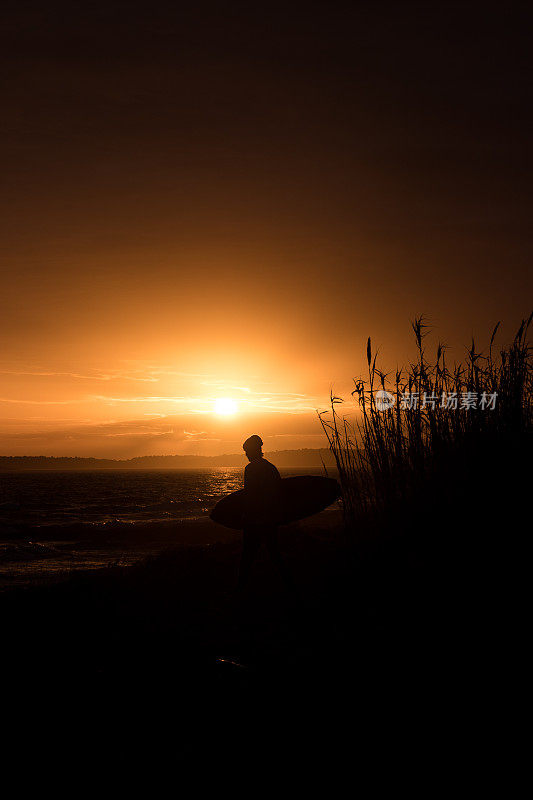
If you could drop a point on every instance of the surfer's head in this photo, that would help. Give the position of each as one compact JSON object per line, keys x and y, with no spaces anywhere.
{"x":252,"y":447}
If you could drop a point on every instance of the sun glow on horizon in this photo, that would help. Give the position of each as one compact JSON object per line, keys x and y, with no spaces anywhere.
{"x":225,"y":407}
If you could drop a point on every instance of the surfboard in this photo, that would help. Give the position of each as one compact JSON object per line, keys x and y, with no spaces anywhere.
{"x":301,"y":496}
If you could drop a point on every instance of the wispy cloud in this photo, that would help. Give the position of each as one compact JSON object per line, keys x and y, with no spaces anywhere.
{"x":39,"y":402}
{"x":146,"y":399}
{"x":99,"y":376}
{"x":291,"y":402}
{"x":150,"y":433}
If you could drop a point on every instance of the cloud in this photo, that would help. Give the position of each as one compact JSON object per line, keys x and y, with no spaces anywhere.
{"x":286,"y":402}
{"x":39,"y":402}
{"x":142,"y":433}
{"x":146,"y":399}
{"x":104,"y":376}
{"x":181,"y":432}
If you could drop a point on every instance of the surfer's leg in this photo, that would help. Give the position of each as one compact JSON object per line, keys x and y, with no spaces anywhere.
{"x":274,"y":552}
{"x":250,"y":546}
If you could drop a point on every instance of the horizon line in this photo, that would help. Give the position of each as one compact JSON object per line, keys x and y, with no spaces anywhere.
{"x":170,"y":455}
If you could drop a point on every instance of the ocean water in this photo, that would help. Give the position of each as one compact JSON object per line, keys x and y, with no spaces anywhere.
{"x":65,"y":498}
{"x":44,"y":498}
{"x":54,"y":522}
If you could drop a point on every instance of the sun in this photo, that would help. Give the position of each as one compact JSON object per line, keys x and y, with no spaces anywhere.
{"x":225,"y":407}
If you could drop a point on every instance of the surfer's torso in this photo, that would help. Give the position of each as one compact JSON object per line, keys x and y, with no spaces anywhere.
{"x":262,"y":486}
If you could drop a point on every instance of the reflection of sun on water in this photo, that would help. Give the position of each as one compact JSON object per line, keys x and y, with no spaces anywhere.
{"x":225,"y":407}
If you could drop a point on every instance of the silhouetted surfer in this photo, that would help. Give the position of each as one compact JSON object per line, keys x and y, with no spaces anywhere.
{"x":262,"y":488}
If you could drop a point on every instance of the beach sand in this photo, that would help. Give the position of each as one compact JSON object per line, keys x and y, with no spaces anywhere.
{"x":373,"y":621}
{"x":40,"y":554}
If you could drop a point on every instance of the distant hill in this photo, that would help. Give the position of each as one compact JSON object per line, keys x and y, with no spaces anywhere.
{"x":282,"y":458}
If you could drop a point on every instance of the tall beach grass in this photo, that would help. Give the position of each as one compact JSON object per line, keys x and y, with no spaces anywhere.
{"x":432,"y":428}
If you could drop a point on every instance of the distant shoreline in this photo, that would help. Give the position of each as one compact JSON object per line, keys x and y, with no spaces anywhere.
{"x":282,"y":458}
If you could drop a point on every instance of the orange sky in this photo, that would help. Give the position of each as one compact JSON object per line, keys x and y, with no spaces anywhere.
{"x":227,"y":206}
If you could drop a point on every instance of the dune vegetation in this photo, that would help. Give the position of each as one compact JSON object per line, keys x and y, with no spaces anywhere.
{"x":438,"y":425}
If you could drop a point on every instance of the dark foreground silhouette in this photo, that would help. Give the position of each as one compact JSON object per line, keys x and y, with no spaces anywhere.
{"x":417,"y":604}
{"x":262,"y":494}
{"x":265,"y":503}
